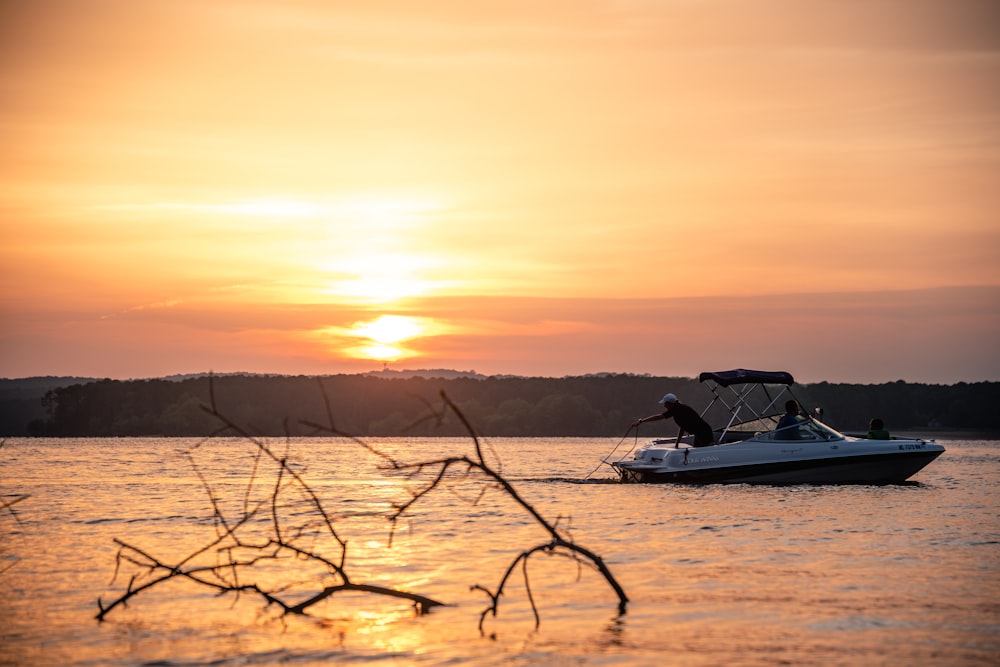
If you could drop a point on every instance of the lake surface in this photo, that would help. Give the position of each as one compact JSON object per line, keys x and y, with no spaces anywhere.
{"x":716,"y":575}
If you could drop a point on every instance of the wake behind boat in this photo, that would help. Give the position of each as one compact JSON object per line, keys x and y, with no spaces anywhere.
{"x":751,"y":449}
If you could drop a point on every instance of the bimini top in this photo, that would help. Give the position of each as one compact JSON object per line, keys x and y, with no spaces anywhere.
{"x":743,"y":376}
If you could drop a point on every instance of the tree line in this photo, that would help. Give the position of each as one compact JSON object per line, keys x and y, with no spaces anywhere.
{"x":369,"y":405}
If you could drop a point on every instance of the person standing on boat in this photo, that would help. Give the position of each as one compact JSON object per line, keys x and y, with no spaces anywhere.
{"x":787,"y":426}
{"x":687,"y":420}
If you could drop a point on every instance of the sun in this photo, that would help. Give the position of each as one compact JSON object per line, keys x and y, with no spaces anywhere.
{"x":383,"y":338}
{"x":389,"y":329}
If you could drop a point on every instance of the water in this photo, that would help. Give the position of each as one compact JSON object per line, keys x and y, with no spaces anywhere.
{"x":734,"y":575}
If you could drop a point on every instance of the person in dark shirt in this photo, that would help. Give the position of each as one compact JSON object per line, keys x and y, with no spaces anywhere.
{"x":687,"y":420}
{"x":786,"y":426}
{"x":877,"y":430}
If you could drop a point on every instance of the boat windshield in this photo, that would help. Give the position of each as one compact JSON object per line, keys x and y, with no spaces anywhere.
{"x":808,"y":429}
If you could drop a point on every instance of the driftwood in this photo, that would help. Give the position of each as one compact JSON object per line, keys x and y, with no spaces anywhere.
{"x":236,"y":549}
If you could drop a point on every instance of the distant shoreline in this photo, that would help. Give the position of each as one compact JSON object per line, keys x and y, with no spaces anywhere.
{"x":368,"y":405}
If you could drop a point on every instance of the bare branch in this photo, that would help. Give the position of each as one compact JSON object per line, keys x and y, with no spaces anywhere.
{"x":293,"y":537}
{"x":558,"y":541}
{"x":7,"y":507}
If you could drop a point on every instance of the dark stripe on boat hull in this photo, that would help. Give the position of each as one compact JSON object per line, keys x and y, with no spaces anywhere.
{"x":862,"y":469}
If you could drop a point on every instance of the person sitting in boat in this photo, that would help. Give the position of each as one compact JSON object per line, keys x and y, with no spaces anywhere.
{"x":877,"y":431}
{"x":788,"y":425}
{"x":687,"y":420}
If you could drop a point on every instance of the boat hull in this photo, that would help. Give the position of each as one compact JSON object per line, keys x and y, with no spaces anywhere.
{"x":726,"y":464}
{"x":871,"y":469}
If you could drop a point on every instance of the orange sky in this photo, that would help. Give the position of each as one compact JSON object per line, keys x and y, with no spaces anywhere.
{"x":567,"y":187}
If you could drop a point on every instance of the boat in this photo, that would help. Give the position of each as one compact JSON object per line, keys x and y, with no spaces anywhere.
{"x":749,"y":448}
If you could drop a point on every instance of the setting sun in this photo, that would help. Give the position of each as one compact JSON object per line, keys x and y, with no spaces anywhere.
{"x":390,"y":329}
{"x":381,"y":338}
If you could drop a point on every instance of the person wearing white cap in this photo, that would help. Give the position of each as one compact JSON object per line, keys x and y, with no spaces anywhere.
{"x":686,"y":418}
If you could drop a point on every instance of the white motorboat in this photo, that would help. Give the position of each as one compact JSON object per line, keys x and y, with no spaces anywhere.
{"x":750,"y":449}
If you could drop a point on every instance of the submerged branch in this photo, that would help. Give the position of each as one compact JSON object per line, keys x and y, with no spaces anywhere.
{"x":558,"y":541}
{"x":290,"y":537}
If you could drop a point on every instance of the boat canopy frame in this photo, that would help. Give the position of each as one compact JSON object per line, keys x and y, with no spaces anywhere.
{"x":748,"y":395}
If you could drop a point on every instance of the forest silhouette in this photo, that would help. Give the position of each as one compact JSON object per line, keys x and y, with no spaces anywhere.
{"x":373,"y":405}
